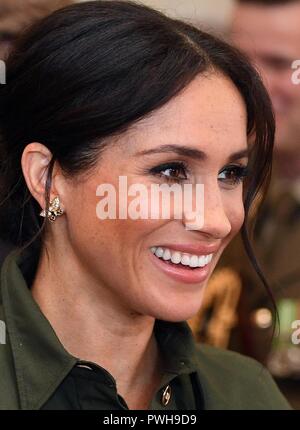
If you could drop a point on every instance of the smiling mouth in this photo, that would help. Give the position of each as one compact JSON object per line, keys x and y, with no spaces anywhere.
{"x":181,"y":259}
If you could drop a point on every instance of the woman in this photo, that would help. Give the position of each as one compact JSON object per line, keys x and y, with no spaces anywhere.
{"x":95,"y":306}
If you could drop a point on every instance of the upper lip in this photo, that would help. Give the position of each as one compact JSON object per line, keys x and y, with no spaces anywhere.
{"x":191,"y":248}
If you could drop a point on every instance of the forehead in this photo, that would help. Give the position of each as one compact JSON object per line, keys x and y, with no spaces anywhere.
{"x":210,"y":110}
{"x":273,"y":28}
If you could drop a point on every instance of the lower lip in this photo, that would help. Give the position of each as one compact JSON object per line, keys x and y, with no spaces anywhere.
{"x":180,"y":273}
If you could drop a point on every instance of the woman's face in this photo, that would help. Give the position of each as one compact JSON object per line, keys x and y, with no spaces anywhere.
{"x":198,"y":137}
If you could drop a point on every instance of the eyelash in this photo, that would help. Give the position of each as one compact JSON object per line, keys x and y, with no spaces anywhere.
{"x":240,"y":172}
{"x":175,"y":166}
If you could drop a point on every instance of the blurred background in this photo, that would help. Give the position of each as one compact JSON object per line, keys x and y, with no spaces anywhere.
{"x":237,"y":311}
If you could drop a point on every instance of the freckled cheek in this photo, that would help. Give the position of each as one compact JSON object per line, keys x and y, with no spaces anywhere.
{"x":83,"y":225}
{"x":118,"y":232}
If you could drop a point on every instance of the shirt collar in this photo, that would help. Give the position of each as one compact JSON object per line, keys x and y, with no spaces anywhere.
{"x":40,"y":360}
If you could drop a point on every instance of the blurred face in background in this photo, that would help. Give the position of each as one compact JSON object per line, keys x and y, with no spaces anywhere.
{"x":17,"y":15}
{"x":270,"y":36}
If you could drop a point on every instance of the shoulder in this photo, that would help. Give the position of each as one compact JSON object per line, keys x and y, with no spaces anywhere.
{"x":8,"y":391}
{"x":232,"y":381}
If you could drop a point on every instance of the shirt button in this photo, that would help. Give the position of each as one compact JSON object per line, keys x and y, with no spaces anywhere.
{"x":166,"y":396}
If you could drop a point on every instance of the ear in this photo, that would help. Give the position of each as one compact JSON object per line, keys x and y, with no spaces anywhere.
{"x":35,"y":162}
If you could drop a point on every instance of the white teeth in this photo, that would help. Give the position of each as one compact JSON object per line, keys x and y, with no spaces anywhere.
{"x":159,"y":252}
{"x":184,"y":258}
{"x":208,"y":258}
{"x":202,"y":261}
{"x":166,"y":255}
{"x":194,"y":261}
{"x":176,"y":257}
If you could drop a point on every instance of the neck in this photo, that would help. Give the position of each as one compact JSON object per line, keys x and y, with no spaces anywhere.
{"x":93,"y":328}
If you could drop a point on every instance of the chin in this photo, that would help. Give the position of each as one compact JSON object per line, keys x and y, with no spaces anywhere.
{"x":177,"y":311}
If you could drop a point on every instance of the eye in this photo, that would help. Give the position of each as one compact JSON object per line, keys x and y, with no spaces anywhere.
{"x":172,"y":172}
{"x":233,"y":175}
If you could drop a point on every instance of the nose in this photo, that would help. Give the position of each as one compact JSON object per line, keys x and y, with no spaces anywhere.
{"x":213,"y":221}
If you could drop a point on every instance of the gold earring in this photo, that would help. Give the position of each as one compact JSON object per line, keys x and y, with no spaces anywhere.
{"x":54,"y":210}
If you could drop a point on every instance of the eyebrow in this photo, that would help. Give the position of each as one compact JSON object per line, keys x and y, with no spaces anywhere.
{"x":187,"y":151}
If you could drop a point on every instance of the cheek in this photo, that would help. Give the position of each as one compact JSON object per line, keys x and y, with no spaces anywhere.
{"x":237,"y":217}
{"x":236,"y":214}
{"x":99,"y":242}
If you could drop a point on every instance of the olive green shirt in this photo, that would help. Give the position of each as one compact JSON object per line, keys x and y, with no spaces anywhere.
{"x":36,"y":372}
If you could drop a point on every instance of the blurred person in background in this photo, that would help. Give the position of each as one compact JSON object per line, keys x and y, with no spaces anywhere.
{"x":15,"y":17}
{"x":268,"y":32}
